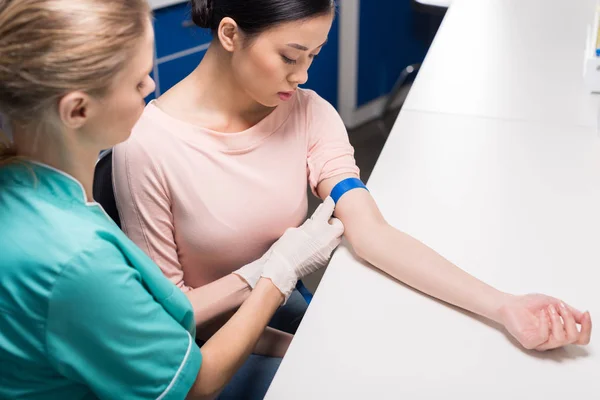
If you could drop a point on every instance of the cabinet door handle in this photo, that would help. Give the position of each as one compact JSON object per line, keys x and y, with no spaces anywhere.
{"x":187,"y":23}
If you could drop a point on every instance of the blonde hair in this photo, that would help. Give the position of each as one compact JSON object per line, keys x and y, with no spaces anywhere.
{"x":49,"y":48}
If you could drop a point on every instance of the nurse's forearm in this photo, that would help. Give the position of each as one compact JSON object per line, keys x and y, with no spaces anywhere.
{"x":217,"y":298}
{"x":272,"y":343}
{"x":228,"y":349}
{"x":212,"y":313}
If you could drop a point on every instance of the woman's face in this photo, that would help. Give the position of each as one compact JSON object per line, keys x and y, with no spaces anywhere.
{"x":276,"y":62}
{"x":120,"y":109}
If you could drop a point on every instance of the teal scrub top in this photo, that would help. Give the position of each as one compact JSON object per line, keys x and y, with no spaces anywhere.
{"x":84,"y":313}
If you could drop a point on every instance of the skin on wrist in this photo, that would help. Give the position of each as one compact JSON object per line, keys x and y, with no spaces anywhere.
{"x":267,"y":289}
{"x":495,"y":304}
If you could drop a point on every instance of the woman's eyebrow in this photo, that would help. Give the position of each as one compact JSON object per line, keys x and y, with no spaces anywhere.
{"x":303,"y":48}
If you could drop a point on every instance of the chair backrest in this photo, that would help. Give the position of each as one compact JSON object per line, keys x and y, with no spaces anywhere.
{"x":103,"y":188}
{"x":435,"y":3}
{"x":432,"y":7}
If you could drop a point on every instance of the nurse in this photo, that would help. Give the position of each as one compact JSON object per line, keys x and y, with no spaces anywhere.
{"x":84,"y":313}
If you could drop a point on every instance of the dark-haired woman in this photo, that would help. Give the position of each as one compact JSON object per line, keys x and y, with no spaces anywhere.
{"x":217,"y":168}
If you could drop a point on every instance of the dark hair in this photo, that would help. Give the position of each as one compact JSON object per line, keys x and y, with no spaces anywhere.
{"x":256,"y":16}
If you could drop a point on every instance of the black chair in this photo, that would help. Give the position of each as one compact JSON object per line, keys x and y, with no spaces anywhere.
{"x":103,"y":188}
{"x":434,"y":15}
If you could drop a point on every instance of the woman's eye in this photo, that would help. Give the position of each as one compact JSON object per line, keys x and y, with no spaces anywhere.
{"x":288,"y":60}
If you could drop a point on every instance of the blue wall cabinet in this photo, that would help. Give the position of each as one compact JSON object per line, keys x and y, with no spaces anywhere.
{"x":171,"y":72}
{"x":180,"y":46}
{"x":389,"y":41}
{"x":175,"y":32}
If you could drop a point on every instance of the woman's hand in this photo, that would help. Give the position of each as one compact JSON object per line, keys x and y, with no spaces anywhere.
{"x":542,"y":323}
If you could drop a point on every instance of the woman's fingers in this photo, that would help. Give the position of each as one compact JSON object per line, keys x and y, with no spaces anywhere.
{"x":543,"y":332}
{"x":578,"y":315}
{"x":572,"y":334}
{"x":547,"y":321}
{"x":558,"y":331}
{"x":586,"y":329}
{"x":585,"y":320}
{"x":564,"y":332}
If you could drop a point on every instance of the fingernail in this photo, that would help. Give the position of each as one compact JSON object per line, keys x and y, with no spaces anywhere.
{"x":552,"y":309}
{"x":563,"y":305}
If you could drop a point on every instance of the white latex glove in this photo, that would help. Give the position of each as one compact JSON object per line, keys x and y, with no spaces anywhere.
{"x":251,"y":272}
{"x":325,"y":238}
{"x":302,"y":251}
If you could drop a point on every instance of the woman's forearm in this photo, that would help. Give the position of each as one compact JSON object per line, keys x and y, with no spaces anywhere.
{"x":217,"y":298}
{"x":420,"y":267}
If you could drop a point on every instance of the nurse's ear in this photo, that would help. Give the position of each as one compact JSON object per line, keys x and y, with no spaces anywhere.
{"x":75,"y":109}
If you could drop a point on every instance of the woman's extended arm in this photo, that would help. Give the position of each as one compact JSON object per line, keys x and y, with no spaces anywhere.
{"x":534,"y":320}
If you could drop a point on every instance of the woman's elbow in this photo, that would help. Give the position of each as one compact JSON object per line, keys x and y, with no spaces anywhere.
{"x":366,"y":240}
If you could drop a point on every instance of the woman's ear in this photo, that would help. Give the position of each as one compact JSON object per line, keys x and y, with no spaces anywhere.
{"x":74,"y":109}
{"x":229,"y":34}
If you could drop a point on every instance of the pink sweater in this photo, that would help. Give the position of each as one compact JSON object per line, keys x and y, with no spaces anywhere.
{"x":202,"y":203}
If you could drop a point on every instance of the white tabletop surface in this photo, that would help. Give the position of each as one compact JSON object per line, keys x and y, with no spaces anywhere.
{"x":517,"y":204}
{"x":517,"y":59}
{"x":494,"y":162}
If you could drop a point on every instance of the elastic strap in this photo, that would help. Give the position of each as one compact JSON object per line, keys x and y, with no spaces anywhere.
{"x":345,"y":186}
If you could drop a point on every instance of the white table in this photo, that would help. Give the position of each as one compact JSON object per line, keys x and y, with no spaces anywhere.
{"x":502,"y":180}
{"x":515,"y":205}
{"x":517,"y":59}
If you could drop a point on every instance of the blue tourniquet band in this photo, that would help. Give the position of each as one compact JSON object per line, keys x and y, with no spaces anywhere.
{"x":345,"y":186}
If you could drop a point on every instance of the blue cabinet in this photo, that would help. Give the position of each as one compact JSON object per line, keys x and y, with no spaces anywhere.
{"x":171,"y":72}
{"x":180,"y":46}
{"x":175,"y":32}
{"x":388,"y":42}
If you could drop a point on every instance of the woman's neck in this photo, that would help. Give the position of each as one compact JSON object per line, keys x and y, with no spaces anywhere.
{"x":212,"y":94}
{"x":60,"y":153}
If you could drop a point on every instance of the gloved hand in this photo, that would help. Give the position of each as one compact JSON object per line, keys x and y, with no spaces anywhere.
{"x":251,"y":272}
{"x":302,"y":251}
